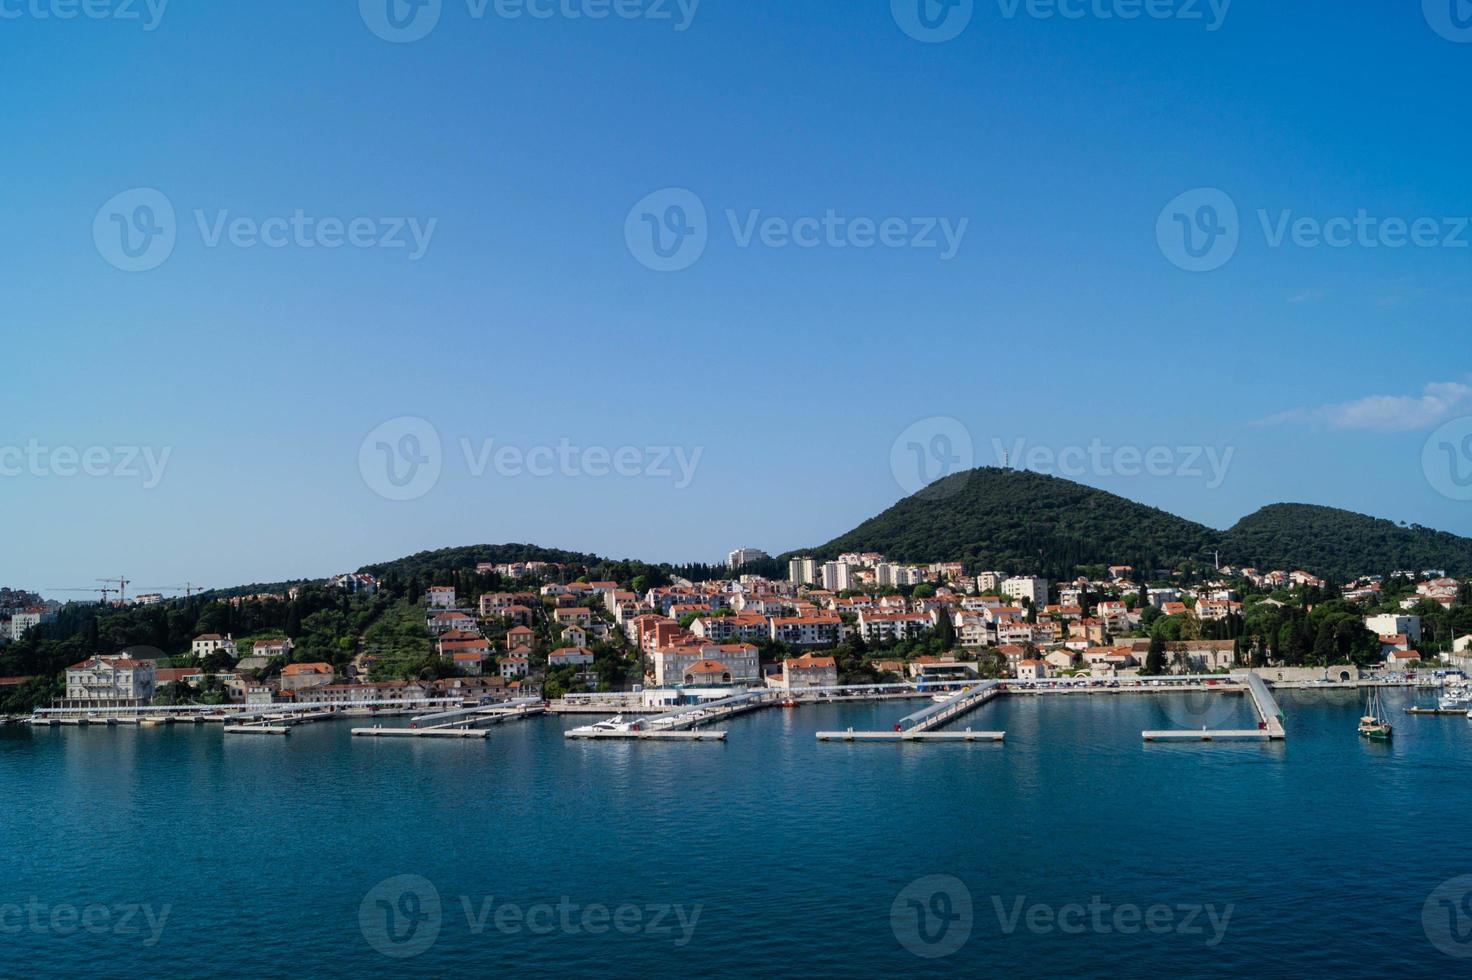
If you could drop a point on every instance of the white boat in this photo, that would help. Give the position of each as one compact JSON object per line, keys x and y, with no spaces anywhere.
{"x":614,"y":724}
{"x":1458,"y":695}
{"x":942,"y":698}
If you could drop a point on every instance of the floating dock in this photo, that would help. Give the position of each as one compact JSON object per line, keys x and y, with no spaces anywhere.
{"x":257,"y":729}
{"x":966,"y":736}
{"x":1269,"y":726}
{"x":434,"y":731}
{"x":459,"y":722}
{"x":1436,"y":711}
{"x":1219,"y":735}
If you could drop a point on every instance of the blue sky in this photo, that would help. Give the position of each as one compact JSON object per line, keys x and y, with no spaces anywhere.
{"x":523,"y":145}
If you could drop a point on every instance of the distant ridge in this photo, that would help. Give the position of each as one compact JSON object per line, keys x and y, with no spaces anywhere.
{"x":1015,"y":520}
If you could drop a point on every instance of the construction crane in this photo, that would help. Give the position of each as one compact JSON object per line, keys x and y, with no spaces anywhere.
{"x":122,"y":587}
{"x":188,"y":588}
{"x":103,"y":590}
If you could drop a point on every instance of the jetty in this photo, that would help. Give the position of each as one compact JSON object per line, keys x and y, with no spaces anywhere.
{"x":1269,"y":720}
{"x":459,"y":722}
{"x":920,"y":726}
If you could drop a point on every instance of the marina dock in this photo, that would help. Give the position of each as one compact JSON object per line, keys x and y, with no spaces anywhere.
{"x":963,"y":736}
{"x":920,"y":726}
{"x":1269,"y":720}
{"x":459,"y":722}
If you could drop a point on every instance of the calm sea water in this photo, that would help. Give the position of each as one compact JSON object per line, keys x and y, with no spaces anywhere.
{"x":192,"y":854}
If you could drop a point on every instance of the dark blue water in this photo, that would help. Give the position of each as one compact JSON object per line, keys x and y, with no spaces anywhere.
{"x":769,"y":854}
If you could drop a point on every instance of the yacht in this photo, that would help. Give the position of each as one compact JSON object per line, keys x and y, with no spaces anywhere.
{"x":614,"y":724}
{"x":1457,"y":695}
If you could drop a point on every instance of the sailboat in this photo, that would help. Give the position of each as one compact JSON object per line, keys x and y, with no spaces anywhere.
{"x":1374,"y":725}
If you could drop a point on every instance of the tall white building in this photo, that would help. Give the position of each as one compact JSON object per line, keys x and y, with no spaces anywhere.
{"x":745,"y":556}
{"x":989,"y":581}
{"x":803,"y":571}
{"x":1035,"y":590}
{"x":836,"y":576}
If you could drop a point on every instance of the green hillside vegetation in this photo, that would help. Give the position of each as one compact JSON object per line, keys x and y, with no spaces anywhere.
{"x":1017,"y":521}
{"x":1340,"y":544}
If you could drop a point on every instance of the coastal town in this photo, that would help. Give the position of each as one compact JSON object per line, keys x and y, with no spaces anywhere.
{"x":543,"y":630}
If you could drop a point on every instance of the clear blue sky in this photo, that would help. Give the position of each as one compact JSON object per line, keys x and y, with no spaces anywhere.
{"x":528,"y":320}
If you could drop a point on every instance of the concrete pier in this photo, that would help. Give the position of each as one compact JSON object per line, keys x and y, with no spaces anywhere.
{"x":963,"y":736}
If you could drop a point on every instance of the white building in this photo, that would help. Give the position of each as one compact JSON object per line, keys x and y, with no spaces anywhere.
{"x":807,"y":631}
{"x":989,"y":581}
{"x":1391,"y":624}
{"x":209,"y":643}
{"x":109,"y":681}
{"x":440,"y":597}
{"x":1035,"y":590}
{"x":806,"y":671}
{"x":836,"y":576}
{"x":672,"y":664}
{"x":803,"y":571}
{"x":745,"y":556}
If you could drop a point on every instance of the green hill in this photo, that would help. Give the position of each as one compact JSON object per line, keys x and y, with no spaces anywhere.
{"x":1341,"y":543}
{"x":1018,"y":521}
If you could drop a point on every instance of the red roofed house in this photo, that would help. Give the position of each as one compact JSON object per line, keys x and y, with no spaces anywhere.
{"x":707,"y":672}
{"x":109,"y":682}
{"x":297,"y":677}
{"x":807,"y":671}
